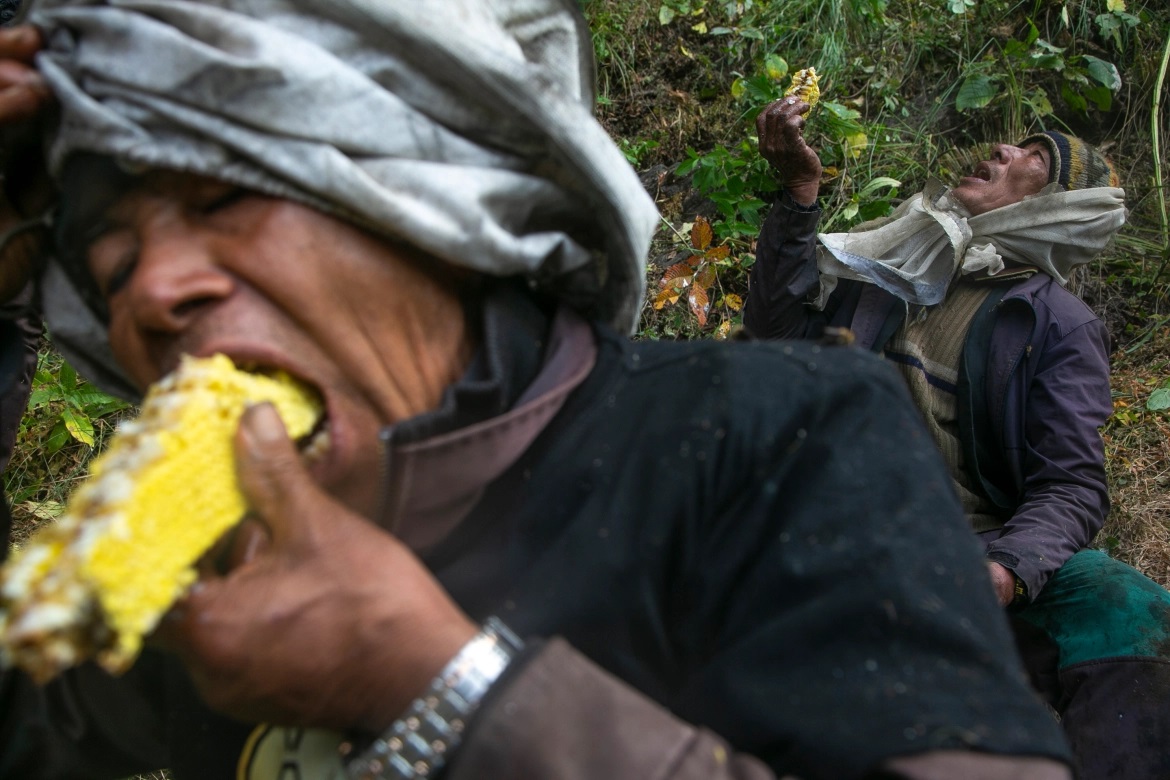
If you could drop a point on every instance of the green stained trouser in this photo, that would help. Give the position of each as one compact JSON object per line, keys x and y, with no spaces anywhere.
{"x":1095,"y":607}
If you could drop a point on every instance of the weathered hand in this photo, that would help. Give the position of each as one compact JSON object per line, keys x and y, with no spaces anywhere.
{"x":24,"y":99}
{"x":325,"y":619}
{"x":23,"y":93}
{"x":1004,"y":582}
{"x":780,"y":127}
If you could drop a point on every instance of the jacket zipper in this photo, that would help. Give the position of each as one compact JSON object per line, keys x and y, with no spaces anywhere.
{"x":386,"y":439}
{"x":1024,"y":354}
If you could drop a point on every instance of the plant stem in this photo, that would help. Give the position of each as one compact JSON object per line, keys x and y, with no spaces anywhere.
{"x":1156,"y":132}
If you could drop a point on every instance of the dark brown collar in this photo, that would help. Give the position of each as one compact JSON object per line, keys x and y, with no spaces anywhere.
{"x":433,"y":484}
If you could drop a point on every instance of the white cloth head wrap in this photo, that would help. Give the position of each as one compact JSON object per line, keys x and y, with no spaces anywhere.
{"x":916,"y":252}
{"x":464,"y":127}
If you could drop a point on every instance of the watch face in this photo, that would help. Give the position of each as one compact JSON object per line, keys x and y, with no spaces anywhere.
{"x":277,"y":753}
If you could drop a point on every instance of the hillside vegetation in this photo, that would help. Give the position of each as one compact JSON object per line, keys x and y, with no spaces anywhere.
{"x":910,"y":90}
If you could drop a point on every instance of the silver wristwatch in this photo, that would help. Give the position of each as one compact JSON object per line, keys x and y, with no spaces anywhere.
{"x":419,"y":743}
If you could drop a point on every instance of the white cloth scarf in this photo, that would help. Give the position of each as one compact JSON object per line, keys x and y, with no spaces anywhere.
{"x":916,"y":252}
{"x":464,"y":127}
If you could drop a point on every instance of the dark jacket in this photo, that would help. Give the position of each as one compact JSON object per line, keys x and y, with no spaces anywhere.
{"x":1034,"y":389}
{"x":19,"y":335}
{"x":730,"y":546}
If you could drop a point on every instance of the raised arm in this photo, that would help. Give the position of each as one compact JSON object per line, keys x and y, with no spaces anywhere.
{"x":785,"y":272}
{"x":798,"y":167}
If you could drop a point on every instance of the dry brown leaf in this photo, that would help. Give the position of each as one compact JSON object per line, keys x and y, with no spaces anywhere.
{"x":701,"y":234}
{"x":700,"y":303}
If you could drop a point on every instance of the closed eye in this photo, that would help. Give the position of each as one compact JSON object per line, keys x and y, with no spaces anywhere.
{"x":111,"y":260}
{"x":226,"y":200}
{"x":118,"y":279}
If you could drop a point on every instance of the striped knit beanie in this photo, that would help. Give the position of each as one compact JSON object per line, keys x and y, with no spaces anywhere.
{"x":1075,"y":164}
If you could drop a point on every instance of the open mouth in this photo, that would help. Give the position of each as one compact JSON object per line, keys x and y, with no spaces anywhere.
{"x":315,"y":444}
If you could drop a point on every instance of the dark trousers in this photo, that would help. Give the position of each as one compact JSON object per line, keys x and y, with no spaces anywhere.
{"x":1097,"y":646}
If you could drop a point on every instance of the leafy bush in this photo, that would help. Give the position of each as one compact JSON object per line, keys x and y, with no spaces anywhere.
{"x":67,"y":421}
{"x":703,"y":279}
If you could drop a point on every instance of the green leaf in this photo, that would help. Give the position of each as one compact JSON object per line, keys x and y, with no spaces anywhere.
{"x":1048,"y":47}
{"x":1073,"y":98}
{"x":762,"y":89}
{"x":79,"y":426}
{"x":1159,"y":400}
{"x":1102,"y":97}
{"x":57,"y":438}
{"x":872,"y":209}
{"x":976,"y":92}
{"x":44,"y":510}
{"x":1038,"y":101}
{"x":1048,"y":62}
{"x":87,"y":398}
{"x":1110,"y":27}
{"x":106,"y":409}
{"x":1014,"y":49}
{"x":876,"y":184}
{"x":1033,"y":33}
{"x":68,"y":377}
{"x":1103,"y":72}
{"x":43,"y":396}
{"x":839,"y":110}
{"x":665,"y":15}
{"x":775,"y":66}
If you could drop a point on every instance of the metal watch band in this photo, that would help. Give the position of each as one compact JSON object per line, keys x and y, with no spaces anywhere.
{"x":419,"y":743}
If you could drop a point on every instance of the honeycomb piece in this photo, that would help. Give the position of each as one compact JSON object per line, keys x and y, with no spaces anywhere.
{"x":805,"y":86}
{"x":98,"y":579}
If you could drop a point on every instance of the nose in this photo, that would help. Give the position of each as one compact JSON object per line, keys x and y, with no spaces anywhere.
{"x":175,"y":278}
{"x":1003,"y":153}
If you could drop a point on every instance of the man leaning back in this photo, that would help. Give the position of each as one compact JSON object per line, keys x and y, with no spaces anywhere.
{"x":963,"y":290}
